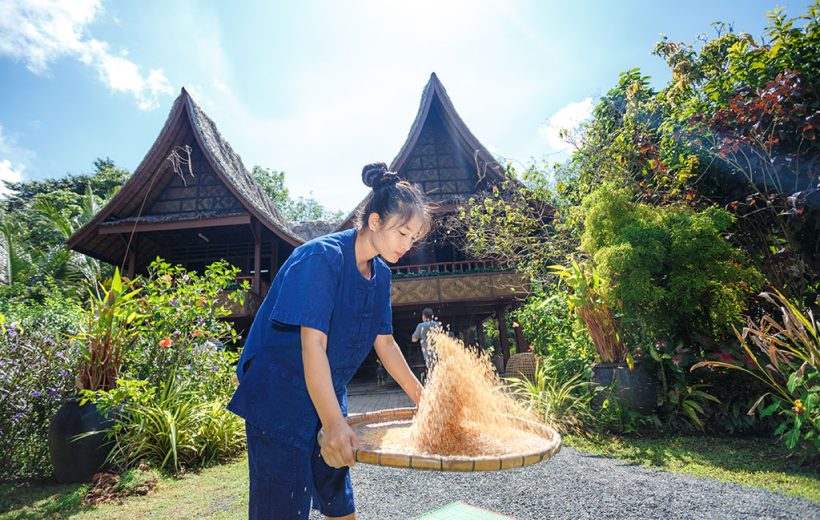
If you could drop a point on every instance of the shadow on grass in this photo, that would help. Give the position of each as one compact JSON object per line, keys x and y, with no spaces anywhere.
{"x":719,"y":457}
{"x":45,"y":499}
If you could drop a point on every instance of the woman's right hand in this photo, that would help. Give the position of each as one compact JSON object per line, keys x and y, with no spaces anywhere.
{"x":338,"y":442}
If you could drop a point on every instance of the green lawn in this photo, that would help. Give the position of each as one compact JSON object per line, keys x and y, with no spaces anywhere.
{"x":750,"y":462}
{"x":221,"y":492}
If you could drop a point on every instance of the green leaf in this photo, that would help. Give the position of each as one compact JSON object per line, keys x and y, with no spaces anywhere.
{"x":792,"y":437}
{"x":792,"y":382}
{"x":775,"y":406}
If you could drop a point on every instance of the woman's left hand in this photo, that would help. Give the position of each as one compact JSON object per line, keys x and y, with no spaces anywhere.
{"x":338,"y":444}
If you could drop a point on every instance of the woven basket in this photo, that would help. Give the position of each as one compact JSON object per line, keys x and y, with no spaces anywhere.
{"x":521,"y":365}
{"x":447,"y":463}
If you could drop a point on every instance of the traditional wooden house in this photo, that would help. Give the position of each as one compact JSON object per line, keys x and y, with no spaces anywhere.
{"x":450,"y":165}
{"x":192,"y":202}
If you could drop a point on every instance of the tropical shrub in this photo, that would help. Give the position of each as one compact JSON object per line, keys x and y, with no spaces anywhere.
{"x":586,"y":299}
{"x":169,"y":426}
{"x":37,"y":369}
{"x":560,"y":400}
{"x":786,"y":358}
{"x":107,"y":331}
{"x":668,"y":269}
{"x":185,"y":332}
{"x":555,"y":333}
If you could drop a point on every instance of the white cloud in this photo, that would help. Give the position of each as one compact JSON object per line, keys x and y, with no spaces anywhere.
{"x":13,"y":160}
{"x":11,"y":173}
{"x":40,"y":32}
{"x":568,"y":119}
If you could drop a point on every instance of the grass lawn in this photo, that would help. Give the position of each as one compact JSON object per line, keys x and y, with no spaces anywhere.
{"x":221,"y":492}
{"x":218,"y":492}
{"x":750,"y":462}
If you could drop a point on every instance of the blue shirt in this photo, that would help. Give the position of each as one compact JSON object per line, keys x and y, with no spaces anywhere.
{"x":319,"y":287}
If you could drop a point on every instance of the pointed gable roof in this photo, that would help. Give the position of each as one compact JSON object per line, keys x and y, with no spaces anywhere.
{"x":441,"y":155}
{"x":186,"y":122}
{"x":436,"y":104}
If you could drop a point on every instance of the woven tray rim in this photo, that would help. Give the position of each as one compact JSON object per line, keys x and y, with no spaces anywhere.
{"x":449,"y":463}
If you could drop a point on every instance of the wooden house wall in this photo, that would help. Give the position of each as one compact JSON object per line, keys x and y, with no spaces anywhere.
{"x":438,"y":165}
{"x":194,"y":194}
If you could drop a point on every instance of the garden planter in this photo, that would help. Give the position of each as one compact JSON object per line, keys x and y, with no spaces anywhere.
{"x":76,"y":460}
{"x":636,"y":389}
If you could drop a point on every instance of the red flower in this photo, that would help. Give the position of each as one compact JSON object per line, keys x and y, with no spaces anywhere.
{"x":197,"y":334}
{"x":166,"y":342}
{"x":677,"y":359}
{"x":531,"y":348}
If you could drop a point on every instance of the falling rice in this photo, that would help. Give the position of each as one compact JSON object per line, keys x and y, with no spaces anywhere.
{"x":463,"y":411}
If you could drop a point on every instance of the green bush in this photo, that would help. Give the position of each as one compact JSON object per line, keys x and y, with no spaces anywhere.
{"x":784,"y":355}
{"x":557,"y":398}
{"x":555,"y":333}
{"x":185,"y":329}
{"x":170,"y":426}
{"x":668,"y":268}
{"x":37,"y":368}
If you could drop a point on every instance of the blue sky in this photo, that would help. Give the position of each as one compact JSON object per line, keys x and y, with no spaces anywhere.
{"x":319,"y":88}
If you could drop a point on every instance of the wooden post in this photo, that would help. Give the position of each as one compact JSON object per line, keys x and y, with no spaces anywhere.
{"x":257,"y":259}
{"x":501,"y":314}
{"x":520,"y":341}
{"x":274,"y":258}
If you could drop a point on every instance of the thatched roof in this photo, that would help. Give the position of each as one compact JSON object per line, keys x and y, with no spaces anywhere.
{"x":187,"y":123}
{"x":441,"y":155}
{"x":314,"y":228}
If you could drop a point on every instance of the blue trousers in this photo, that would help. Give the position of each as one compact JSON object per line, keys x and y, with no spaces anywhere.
{"x":285,"y":480}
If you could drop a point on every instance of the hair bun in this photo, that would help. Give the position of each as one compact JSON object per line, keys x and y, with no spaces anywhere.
{"x":376,"y":175}
{"x":372,"y":173}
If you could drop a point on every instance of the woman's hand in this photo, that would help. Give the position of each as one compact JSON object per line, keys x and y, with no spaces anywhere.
{"x":338,"y":442}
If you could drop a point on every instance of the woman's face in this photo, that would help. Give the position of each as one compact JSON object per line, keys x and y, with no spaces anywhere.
{"x":392,"y":238}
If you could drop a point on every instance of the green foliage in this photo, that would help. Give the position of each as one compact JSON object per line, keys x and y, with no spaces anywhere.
{"x":300,"y":209}
{"x":185,"y":328}
{"x":787,"y":360}
{"x":169,"y":426}
{"x":35,"y":221}
{"x":587,"y":301}
{"x":520,"y":224}
{"x":668,"y":268}
{"x":169,"y":401}
{"x":37,"y":368}
{"x":108,"y":329}
{"x":559,"y":399}
{"x":554,"y":332}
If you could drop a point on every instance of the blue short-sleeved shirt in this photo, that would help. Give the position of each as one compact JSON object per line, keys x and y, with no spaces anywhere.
{"x":320,"y":287}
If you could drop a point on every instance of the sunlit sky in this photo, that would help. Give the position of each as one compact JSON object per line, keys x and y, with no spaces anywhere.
{"x":319,"y":88}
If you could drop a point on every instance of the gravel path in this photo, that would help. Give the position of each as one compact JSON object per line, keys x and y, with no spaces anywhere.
{"x":572,"y":485}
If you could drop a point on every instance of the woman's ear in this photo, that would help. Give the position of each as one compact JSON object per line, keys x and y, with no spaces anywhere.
{"x":373,"y":222}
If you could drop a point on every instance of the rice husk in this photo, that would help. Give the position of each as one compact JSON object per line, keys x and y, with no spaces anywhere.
{"x":463,"y":410}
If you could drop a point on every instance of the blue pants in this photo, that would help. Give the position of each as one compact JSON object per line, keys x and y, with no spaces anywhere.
{"x":285,"y":479}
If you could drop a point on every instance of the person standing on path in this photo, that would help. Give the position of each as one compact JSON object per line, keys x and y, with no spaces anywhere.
{"x":421,"y":332}
{"x":328,"y":305}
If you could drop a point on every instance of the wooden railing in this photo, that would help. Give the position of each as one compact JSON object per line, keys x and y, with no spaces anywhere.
{"x":439,"y":268}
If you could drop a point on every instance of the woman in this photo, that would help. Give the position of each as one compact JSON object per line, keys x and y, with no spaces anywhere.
{"x":329,"y":303}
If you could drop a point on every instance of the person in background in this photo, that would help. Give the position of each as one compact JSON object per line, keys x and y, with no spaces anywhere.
{"x":421,"y":332}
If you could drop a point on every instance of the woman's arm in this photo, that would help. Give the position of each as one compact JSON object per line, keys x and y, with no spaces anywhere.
{"x":393,"y":360}
{"x":338,"y":441}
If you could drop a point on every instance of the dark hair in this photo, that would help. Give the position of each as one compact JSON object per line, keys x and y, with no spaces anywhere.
{"x":427,"y":313}
{"x":391,"y":196}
